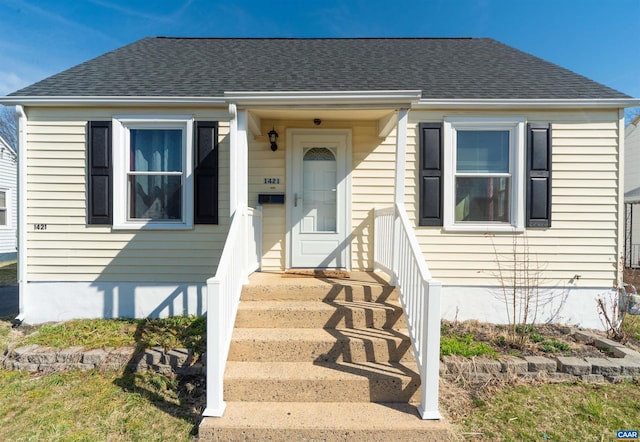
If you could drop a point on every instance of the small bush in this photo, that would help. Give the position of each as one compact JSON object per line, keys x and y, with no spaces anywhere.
{"x":464,"y":346}
{"x":554,"y":346}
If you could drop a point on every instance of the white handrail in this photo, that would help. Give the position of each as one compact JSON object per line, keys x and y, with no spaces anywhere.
{"x":397,"y":253}
{"x":240,"y":257}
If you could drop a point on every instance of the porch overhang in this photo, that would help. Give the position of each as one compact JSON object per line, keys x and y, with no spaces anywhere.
{"x":323,"y":99}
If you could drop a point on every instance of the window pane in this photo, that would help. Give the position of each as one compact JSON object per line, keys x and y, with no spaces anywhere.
{"x":157,"y":150}
{"x":319,"y":204}
{"x":155,"y":197}
{"x":482,"y":199}
{"x":3,"y":200}
{"x":482,"y":151}
{"x":3,"y":217}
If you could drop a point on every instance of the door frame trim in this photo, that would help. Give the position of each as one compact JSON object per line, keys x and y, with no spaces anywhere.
{"x":345,"y":135}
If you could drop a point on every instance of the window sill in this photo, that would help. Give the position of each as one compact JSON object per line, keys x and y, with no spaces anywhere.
{"x":152,"y":226}
{"x":479,"y":228}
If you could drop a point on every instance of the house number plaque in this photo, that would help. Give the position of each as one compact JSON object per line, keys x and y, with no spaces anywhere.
{"x":272,"y":180}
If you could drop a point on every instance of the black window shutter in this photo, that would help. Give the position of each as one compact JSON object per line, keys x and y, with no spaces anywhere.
{"x":431,"y":149}
{"x":539,"y":175}
{"x":100,"y":171}
{"x":206,"y":173}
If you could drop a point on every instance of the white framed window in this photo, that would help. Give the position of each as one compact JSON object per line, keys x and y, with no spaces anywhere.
{"x":5,"y":215}
{"x":153,"y":184}
{"x":484,"y":174}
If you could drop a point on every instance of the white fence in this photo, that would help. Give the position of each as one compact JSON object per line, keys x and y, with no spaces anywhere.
{"x":397,"y":253}
{"x":240,"y":257}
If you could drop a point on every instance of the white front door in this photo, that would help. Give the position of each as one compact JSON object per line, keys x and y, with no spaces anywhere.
{"x":317,"y":198}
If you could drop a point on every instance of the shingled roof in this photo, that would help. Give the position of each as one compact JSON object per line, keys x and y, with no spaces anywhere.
{"x":458,"y":68}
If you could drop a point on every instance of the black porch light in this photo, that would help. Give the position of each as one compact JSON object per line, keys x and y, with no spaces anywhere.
{"x":273,"y":139}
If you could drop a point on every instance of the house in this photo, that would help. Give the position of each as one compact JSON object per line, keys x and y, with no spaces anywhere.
{"x":141,"y":164}
{"x":632,"y":193}
{"x":139,"y":229}
{"x":8,"y":202}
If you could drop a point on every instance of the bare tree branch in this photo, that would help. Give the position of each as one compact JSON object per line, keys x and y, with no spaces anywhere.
{"x":9,"y":126}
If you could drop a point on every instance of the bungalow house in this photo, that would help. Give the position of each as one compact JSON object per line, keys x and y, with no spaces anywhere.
{"x":8,"y":200}
{"x":449,"y":164}
{"x":632,"y":193}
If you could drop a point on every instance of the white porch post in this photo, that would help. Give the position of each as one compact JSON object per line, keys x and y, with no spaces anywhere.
{"x":430,"y":367}
{"x":215,"y":350}
{"x":398,"y":193}
{"x":242,"y":145}
{"x":238,"y":159}
{"x":233,"y":159}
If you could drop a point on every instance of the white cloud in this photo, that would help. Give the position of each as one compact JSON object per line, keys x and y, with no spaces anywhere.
{"x":11,"y":82}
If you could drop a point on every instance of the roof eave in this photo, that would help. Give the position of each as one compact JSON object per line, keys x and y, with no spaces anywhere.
{"x":99,"y":101}
{"x":381,"y":98}
{"x":403,"y":98}
{"x":560,"y":103}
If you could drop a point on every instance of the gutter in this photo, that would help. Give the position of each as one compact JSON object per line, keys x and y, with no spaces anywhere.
{"x":435,"y":103}
{"x":312,"y":99}
{"x":22,"y":213}
{"x":101,"y":101}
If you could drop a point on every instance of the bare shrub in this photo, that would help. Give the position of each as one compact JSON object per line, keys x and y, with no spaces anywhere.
{"x":519,"y":274}
{"x":611,"y":315}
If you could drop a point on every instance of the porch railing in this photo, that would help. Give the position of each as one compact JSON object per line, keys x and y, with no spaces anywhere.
{"x":397,"y":253}
{"x":240,"y":257}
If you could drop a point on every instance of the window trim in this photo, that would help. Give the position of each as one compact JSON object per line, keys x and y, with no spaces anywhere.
{"x":516,"y":128}
{"x":7,"y":209}
{"x":121,"y":126}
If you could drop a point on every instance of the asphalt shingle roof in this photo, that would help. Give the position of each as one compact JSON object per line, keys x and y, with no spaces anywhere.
{"x":458,"y":68}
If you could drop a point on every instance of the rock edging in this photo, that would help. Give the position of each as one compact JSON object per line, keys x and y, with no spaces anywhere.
{"x":623,"y":365}
{"x":35,"y":358}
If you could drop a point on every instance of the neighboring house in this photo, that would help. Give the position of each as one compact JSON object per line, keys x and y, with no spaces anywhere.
{"x":135,"y":162}
{"x":8,"y":202}
{"x":632,"y":193}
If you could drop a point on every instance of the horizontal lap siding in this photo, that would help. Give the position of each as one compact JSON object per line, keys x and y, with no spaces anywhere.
{"x":69,"y":249}
{"x":372,"y":183}
{"x":583,"y":238}
{"x":8,"y":183}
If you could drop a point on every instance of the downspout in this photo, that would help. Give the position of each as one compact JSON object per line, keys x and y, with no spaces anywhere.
{"x":22,"y":213}
{"x":621,"y":207}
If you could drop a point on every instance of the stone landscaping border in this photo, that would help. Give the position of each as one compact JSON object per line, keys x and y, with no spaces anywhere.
{"x":623,"y":365}
{"x":34,"y":358}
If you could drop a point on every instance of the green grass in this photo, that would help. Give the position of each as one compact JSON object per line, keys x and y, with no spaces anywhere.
{"x":169,"y":333}
{"x":465,"y":346}
{"x":93,"y":406}
{"x":553,"y":346}
{"x":556,"y":412}
{"x":631,"y":326}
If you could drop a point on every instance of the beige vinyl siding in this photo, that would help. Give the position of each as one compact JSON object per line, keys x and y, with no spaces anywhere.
{"x":71,"y":250}
{"x":583,"y":238}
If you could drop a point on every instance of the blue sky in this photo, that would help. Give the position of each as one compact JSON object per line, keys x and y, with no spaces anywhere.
{"x":596,"y":38}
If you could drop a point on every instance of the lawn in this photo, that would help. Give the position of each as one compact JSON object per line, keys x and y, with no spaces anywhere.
{"x":93,"y":406}
{"x":120,"y":406}
{"x":556,"y":412}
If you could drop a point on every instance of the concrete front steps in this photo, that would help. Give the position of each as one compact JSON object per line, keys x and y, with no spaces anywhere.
{"x":320,"y":359}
